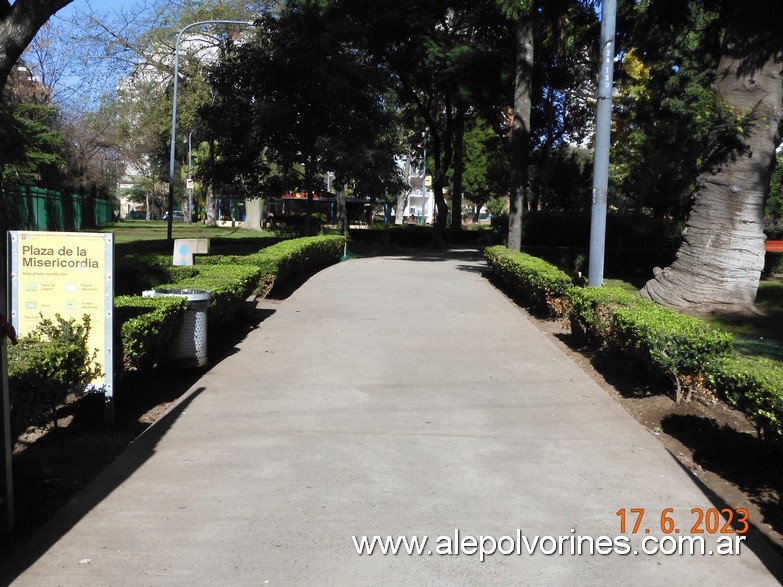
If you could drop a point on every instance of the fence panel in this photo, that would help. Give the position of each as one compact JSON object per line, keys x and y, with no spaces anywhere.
{"x":31,"y":208}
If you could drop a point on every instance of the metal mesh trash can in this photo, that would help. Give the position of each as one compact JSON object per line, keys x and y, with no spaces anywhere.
{"x":189,"y":347}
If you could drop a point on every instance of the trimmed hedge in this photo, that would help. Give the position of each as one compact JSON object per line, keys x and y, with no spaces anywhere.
{"x":669,"y":343}
{"x":285,"y":259}
{"x":591,"y":310}
{"x":229,"y":286}
{"x":146,"y":326}
{"x":660,"y":340}
{"x":545,"y":287}
{"x":754,"y":386}
{"x":45,"y":367}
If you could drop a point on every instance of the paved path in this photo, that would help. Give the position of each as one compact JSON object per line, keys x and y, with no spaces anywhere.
{"x":387,"y":396}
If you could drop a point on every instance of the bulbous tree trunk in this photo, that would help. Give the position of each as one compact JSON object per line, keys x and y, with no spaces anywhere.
{"x":720,"y":261}
{"x":253,"y":210}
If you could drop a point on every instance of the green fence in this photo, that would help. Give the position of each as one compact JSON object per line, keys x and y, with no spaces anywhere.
{"x":29,"y":208}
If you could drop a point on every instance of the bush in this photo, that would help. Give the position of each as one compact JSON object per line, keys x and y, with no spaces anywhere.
{"x":45,"y":367}
{"x":669,"y":343}
{"x":754,"y":386}
{"x":592,"y":308}
{"x":136,"y":273}
{"x":228,"y":285}
{"x":146,"y":326}
{"x":540,"y":283}
{"x":285,"y":259}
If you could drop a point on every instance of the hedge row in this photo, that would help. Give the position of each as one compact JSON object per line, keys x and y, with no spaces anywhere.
{"x":754,"y":386}
{"x":660,"y":340}
{"x":54,"y":360}
{"x":286,"y":259}
{"x":230,"y":279}
{"x":539,"y":283}
{"x":146,"y":326}
{"x":664,"y":342}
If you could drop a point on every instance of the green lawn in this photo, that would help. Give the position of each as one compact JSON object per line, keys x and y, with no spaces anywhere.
{"x":141,"y":236}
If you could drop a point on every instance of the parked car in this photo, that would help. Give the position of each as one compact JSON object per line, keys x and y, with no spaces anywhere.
{"x":177,"y":216}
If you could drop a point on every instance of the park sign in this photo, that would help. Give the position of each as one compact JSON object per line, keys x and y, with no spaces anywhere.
{"x":70,"y":275}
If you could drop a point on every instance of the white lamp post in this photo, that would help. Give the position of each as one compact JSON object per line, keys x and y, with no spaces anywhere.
{"x":174,"y":108}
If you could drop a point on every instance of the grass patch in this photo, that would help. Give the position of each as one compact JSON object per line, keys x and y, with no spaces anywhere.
{"x":146,"y":230}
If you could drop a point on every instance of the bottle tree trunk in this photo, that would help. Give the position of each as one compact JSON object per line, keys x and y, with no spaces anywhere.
{"x":520,"y":129}
{"x":720,"y":261}
{"x":253,"y":211}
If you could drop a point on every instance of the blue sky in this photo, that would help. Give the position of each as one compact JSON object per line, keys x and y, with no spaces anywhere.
{"x":98,"y":5}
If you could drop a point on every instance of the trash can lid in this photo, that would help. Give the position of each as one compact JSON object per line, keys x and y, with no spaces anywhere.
{"x":193,"y":295}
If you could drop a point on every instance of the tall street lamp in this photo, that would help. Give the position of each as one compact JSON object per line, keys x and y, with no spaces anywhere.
{"x":190,"y":177}
{"x":424,"y":181}
{"x":174,"y":109}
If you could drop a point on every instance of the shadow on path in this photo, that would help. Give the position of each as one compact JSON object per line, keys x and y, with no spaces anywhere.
{"x":125,"y":465}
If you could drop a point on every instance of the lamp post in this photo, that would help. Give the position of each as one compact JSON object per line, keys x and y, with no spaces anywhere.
{"x":174,"y":109}
{"x":190,"y":177}
{"x":603,"y":129}
{"x":424,"y":181}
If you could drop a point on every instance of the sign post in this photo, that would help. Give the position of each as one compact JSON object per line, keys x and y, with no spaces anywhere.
{"x":70,"y":274}
{"x":6,"y":483}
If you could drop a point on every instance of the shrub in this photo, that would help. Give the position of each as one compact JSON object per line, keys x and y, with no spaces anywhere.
{"x":591,"y":310}
{"x":146,"y":326}
{"x":754,"y":386}
{"x":540,"y":283}
{"x":136,"y":273}
{"x":285,"y":259}
{"x":669,"y":343}
{"x":228,"y":285}
{"x":45,"y":367}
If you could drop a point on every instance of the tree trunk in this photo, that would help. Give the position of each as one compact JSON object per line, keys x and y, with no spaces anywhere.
{"x":459,"y":166}
{"x":19,"y":23}
{"x":253,"y":208}
{"x":720,"y":261}
{"x":309,"y":204}
{"x":520,"y":129}
{"x":211,"y":219}
{"x":342,"y":212}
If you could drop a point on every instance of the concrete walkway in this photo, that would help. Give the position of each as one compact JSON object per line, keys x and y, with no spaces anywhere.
{"x":392,"y":396}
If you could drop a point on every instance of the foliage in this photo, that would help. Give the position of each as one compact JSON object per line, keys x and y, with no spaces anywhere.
{"x":448,"y":60}
{"x":138,"y":272}
{"x":540,"y":283}
{"x":668,"y":343}
{"x":45,"y":367}
{"x":42,"y":146}
{"x":563,"y":181}
{"x":591,"y":310}
{"x":228,"y":285}
{"x":487,"y":166}
{"x":296,"y":102}
{"x":773,"y":212}
{"x":668,"y":116}
{"x":285,"y":259}
{"x":754,"y":386}
{"x":146,"y":326}
{"x":660,"y":340}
